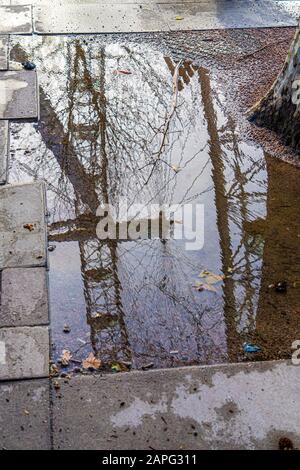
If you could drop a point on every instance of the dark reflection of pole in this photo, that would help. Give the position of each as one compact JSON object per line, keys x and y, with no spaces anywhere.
{"x":221,"y":202}
{"x":278,"y":315}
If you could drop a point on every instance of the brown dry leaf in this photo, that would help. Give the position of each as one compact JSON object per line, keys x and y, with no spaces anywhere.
{"x":91,"y":362}
{"x":65,"y":357}
{"x":53,"y":370}
{"x":29,"y":227}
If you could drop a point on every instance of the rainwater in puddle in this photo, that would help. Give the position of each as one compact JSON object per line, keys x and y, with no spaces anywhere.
{"x":108,"y":109}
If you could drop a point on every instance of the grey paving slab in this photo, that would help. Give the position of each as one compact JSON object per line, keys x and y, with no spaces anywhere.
{"x":238,"y":406}
{"x":224,"y":15}
{"x":24,"y":415}
{"x":3,"y":52}
{"x":292,"y":6}
{"x":24,"y":352}
{"x":3,"y":151}
{"x":24,"y":297}
{"x":97,"y":19}
{"x":16,"y":19}
{"x":19,"y":95}
{"x":125,"y":17}
{"x":22,"y":226}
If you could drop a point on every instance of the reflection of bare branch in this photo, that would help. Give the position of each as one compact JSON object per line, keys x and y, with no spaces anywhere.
{"x":167,"y":122}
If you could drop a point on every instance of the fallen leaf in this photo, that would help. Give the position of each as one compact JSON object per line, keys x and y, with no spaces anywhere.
{"x":53,"y":370}
{"x":118,"y":367}
{"x":91,"y":362}
{"x":201,"y":286}
{"x":211,"y":278}
{"x":179,"y":18}
{"x":56,"y":385}
{"x":176,"y":168}
{"x":29,"y":227}
{"x":65,"y":357}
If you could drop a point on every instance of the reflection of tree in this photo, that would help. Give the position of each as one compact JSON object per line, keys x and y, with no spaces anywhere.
{"x":100,"y":134}
{"x":221,"y":201}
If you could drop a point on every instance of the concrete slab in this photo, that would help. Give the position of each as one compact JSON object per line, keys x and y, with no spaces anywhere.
{"x":25,"y":352}
{"x":3,"y":151}
{"x":224,"y":15}
{"x":24,"y":415}
{"x":19,"y":95}
{"x":238,"y":406}
{"x":22,"y":226}
{"x":3,"y":52}
{"x":16,"y":19}
{"x":97,"y":19}
{"x":24,"y":297}
{"x":292,"y":6}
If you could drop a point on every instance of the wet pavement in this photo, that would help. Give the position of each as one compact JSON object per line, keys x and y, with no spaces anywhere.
{"x":97,"y":141}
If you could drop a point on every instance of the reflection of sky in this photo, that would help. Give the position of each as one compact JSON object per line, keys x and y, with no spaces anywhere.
{"x":162,"y":310}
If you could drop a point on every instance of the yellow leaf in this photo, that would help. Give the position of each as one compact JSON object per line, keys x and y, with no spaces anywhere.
{"x":179,"y":18}
{"x":176,"y":168}
{"x":200,"y":286}
{"x":211,"y":278}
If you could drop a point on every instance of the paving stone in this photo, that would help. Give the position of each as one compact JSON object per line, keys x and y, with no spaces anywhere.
{"x":22,"y":226}
{"x":25,"y":415}
{"x":24,"y":352}
{"x":97,"y":19}
{"x":24,"y":297}
{"x":16,"y":19}
{"x":235,"y":406}
{"x":3,"y":52}
{"x":19,"y":95}
{"x":3,"y":151}
{"x":224,"y":14}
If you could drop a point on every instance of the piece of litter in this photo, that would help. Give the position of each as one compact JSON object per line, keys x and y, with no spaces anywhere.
{"x":66,"y":329}
{"x":124,"y":72}
{"x":251,"y":348}
{"x":27,"y":65}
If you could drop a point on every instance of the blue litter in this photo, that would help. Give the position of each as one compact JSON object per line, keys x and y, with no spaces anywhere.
{"x":28,"y":65}
{"x":251,"y":348}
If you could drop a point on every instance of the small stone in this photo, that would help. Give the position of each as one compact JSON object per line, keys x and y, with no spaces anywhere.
{"x":285,"y":444}
{"x":281,"y":287}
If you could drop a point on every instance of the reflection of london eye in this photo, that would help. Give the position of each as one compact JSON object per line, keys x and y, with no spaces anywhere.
{"x":104,"y":145}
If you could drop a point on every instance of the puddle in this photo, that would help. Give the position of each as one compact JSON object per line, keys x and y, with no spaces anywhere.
{"x":98,"y":139}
